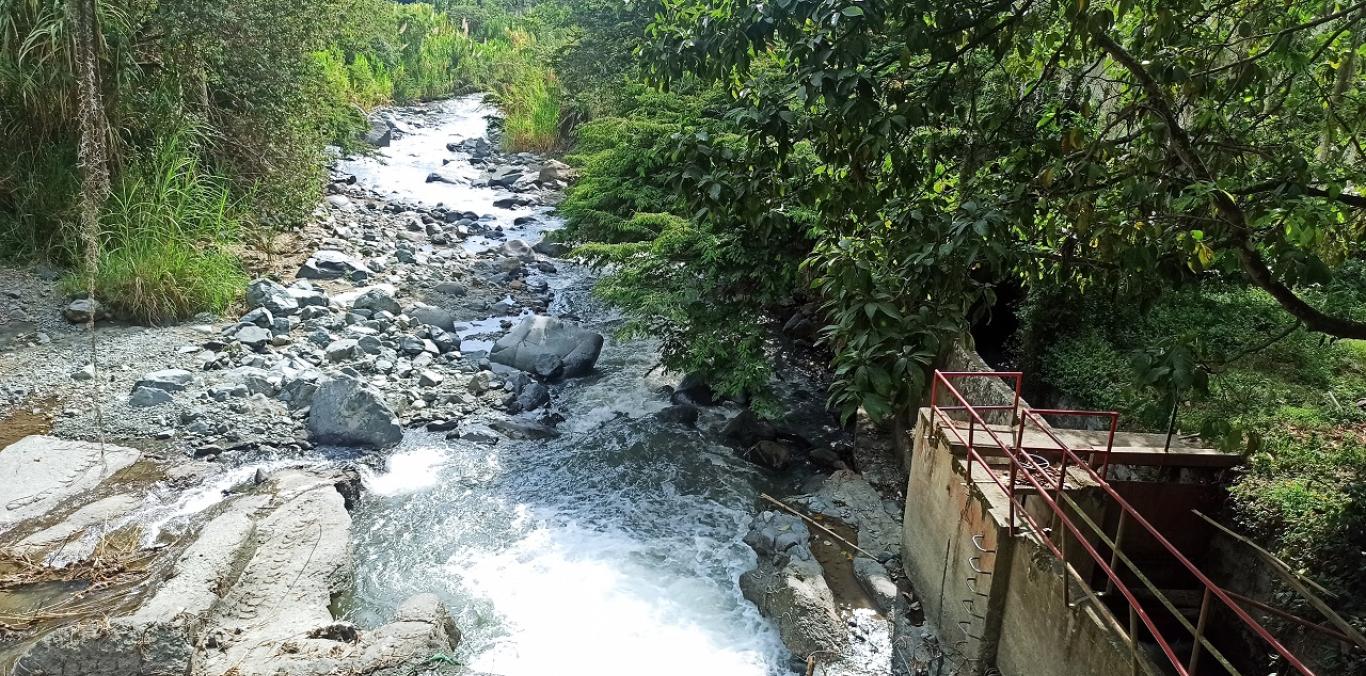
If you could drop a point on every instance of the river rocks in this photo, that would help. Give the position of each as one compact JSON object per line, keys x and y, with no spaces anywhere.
{"x":554,"y":170}
{"x":272,"y":296}
{"x":41,"y":472}
{"x":873,"y":578}
{"x":378,"y":299}
{"x":693,"y":389}
{"x":546,"y":247}
{"x":433,"y":316}
{"x":846,"y":496}
{"x":86,"y":518}
{"x":143,"y":397}
{"x":80,"y":310}
{"x":774,"y":455}
{"x":330,"y":264}
{"x":548,"y":347}
{"x":679,"y":414}
{"x":516,"y":248}
{"x":789,"y":587}
{"x":380,"y":134}
{"x":167,"y":380}
{"x":530,"y":397}
{"x":747,"y":429}
{"x":341,"y":349}
{"x":253,"y":337}
{"x":347,"y":412}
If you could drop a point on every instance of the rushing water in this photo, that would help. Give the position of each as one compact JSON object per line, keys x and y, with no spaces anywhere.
{"x":612,"y":549}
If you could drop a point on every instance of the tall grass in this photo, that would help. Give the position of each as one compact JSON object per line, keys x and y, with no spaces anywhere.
{"x":165,"y":236}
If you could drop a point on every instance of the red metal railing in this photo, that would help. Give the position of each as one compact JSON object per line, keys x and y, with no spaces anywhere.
{"x":1036,"y":476}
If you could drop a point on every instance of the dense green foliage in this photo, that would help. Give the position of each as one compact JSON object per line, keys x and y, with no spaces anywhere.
{"x":1176,"y":184}
{"x":218,"y":114}
{"x":1289,"y":397}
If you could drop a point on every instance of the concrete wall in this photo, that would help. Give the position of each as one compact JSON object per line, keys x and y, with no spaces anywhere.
{"x":943,"y":513}
{"x":1045,"y":635}
{"x":1016,"y":618}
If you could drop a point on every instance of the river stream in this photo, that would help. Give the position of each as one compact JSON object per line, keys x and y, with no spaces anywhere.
{"x":612,"y":549}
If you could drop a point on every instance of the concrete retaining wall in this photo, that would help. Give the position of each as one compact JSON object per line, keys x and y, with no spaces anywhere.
{"x":1012,"y":615}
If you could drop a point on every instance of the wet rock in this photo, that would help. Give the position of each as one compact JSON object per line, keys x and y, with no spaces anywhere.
{"x":548,"y":347}
{"x":873,"y":577}
{"x":347,"y":412}
{"x":516,"y":248}
{"x":42,"y":471}
{"x":800,"y":326}
{"x":747,"y":429}
{"x":167,"y":380}
{"x":516,"y":429}
{"x":693,"y":389}
{"x":530,"y":397}
{"x":143,"y":397}
{"x":476,"y":433}
{"x":552,"y":249}
{"x":774,"y":455}
{"x":90,"y":516}
{"x":680,"y":414}
{"x":848,"y":497}
{"x":271,"y":296}
{"x":788,"y":586}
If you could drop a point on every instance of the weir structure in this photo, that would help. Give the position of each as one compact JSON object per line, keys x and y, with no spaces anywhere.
{"x":1029,"y":553}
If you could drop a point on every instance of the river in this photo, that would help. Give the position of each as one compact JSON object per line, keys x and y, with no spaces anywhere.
{"x":612,"y":549}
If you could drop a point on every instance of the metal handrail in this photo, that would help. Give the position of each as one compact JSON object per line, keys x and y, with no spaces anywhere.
{"x":1024,"y":414}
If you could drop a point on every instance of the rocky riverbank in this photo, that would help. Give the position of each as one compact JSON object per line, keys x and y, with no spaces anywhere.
{"x":213,"y":533}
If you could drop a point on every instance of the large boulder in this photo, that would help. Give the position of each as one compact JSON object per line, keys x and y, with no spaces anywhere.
{"x":378,"y":299}
{"x":788,"y":586}
{"x":380,"y":133}
{"x":548,"y":347}
{"x":348,"y":412}
{"x":272,"y":296}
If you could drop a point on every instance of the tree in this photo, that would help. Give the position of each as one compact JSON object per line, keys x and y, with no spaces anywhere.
{"x":1134,"y":144}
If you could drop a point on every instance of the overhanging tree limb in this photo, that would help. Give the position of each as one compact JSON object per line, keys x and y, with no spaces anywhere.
{"x":1253,"y":263}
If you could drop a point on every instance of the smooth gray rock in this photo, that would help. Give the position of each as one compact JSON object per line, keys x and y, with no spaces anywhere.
{"x":168,"y":380}
{"x":87,"y":517}
{"x":848,"y":497}
{"x":552,"y":249}
{"x":79,"y":311}
{"x":433,"y":316}
{"x":347,"y":412}
{"x":143,"y":397}
{"x":42,"y":471}
{"x":272,"y":296}
{"x":548,"y":347}
{"x":873,"y":577}
{"x":253,"y":336}
{"x":330,"y":264}
{"x":380,"y":134}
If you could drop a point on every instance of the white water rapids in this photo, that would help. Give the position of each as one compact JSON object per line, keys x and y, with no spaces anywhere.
{"x":612,"y":550}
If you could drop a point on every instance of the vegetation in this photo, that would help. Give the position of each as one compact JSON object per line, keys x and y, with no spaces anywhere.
{"x":217,"y":115}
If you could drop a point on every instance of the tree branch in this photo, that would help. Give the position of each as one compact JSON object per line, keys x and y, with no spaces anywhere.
{"x":1253,"y":264}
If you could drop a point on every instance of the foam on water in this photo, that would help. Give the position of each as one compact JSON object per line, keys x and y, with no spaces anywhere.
{"x":614,"y":549}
